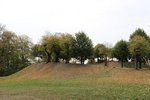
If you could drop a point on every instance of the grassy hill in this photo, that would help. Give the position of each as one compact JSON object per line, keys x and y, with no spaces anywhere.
{"x":56,"y":81}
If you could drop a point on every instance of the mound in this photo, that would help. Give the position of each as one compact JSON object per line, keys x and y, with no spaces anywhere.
{"x":57,"y":71}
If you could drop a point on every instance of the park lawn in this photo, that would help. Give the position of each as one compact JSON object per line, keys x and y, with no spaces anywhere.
{"x":108,"y":84}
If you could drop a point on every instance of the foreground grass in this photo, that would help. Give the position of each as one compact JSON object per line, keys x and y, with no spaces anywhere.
{"x":63,"y":90}
{"x":92,"y":87}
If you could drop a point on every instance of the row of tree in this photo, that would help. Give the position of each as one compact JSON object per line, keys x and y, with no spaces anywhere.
{"x":63,"y":47}
{"x":137,"y":49}
{"x":17,"y":52}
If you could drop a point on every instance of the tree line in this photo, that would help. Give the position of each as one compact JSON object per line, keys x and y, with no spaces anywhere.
{"x":62,"y":47}
{"x":17,"y":52}
{"x":137,"y":49}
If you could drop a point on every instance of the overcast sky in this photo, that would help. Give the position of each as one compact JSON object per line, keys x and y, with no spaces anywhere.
{"x":102,"y":20}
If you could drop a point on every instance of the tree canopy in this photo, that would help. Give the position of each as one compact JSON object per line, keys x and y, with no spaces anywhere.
{"x":139,"y":47}
{"x":121,"y":52}
{"x":82,"y":47}
{"x":140,"y":32}
{"x":66,"y":41}
{"x":14,"y":52}
{"x":99,"y":52}
{"x":50,"y":43}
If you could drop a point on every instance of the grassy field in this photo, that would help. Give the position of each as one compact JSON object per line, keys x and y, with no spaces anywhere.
{"x":76,"y":82}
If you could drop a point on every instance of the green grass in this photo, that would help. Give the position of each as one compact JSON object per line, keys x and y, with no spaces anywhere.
{"x":92,"y":87}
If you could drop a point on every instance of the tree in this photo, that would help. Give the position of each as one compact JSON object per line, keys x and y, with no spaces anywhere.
{"x":66,"y":41}
{"x":99,"y":52}
{"x":14,"y":52}
{"x":82,"y":47}
{"x":121,"y":52}
{"x":140,"y":32}
{"x":107,"y":52}
{"x":37,"y":51}
{"x":139,"y":48}
{"x":51,"y":47}
{"x":7,"y":51}
{"x":24,"y":49}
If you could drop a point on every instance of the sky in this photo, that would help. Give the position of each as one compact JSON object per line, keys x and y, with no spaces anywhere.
{"x":104,"y":21}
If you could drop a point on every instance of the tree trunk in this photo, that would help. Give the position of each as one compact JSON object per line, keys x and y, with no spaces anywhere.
{"x":67,"y":61}
{"x":68,"y":54}
{"x":112,"y":59}
{"x":57,"y":59}
{"x":122,"y":63}
{"x":136,"y":63}
{"x":105,"y":62}
{"x":81,"y":61}
{"x":98,"y":60}
{"x":140,"y":63}
{"x":48,"y":56}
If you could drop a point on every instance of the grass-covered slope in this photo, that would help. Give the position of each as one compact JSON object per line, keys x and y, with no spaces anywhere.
{"x":75,"y":82}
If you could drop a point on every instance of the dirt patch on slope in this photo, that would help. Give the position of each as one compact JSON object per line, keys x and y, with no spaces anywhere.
{"x":58,"y":71}
{"x":71,"y":71}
